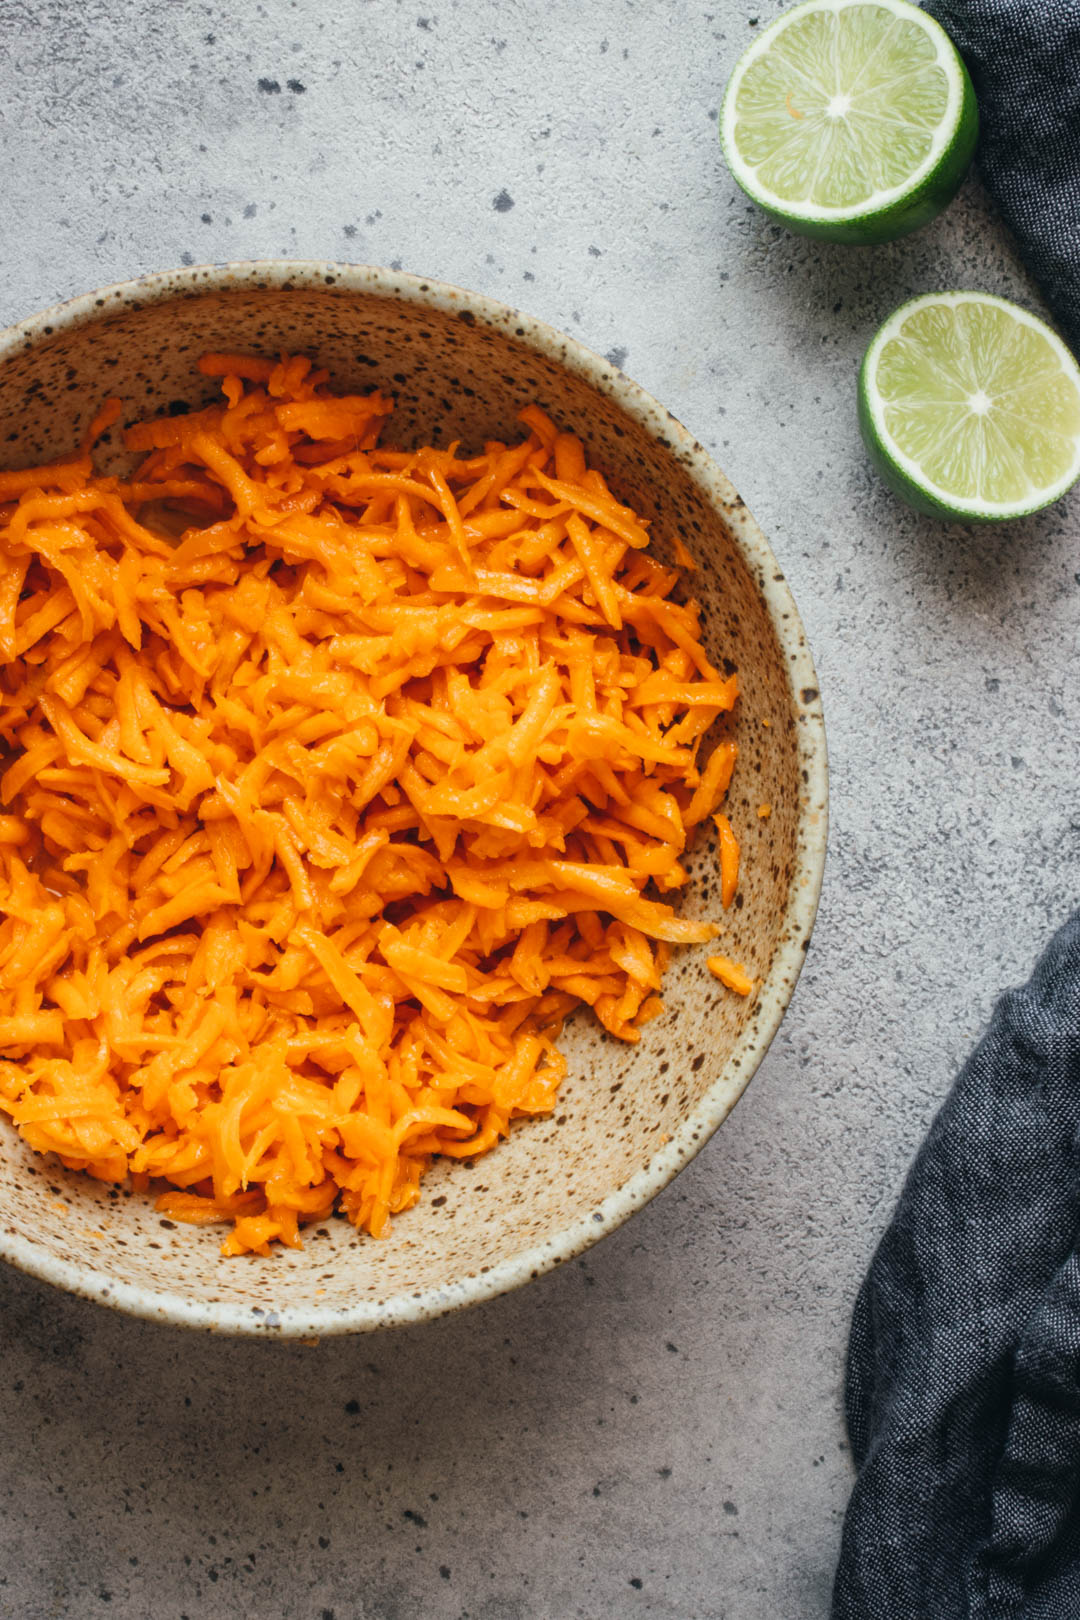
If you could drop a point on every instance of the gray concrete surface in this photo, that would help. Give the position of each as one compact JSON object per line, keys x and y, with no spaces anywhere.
{"x":656,"y":1430}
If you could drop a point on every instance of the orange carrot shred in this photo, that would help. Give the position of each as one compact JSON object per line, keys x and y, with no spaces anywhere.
{"x":729,"y":861}
{"x":732,"y":974}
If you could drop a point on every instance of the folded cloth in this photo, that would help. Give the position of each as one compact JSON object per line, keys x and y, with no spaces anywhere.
{"x":963,"y":1390}
{"x":1024,"y":59}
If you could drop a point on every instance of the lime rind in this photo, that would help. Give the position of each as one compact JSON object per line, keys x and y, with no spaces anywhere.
{"x":970,"y":407}
{"x":850,"y":119}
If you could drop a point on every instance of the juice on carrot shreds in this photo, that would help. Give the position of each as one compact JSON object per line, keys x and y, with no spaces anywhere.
{"x":333,"y":779}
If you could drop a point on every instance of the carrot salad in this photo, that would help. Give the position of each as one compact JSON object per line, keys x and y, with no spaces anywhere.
{"x":333,"y":778}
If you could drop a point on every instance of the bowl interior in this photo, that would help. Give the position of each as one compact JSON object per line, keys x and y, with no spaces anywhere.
{"x":459,"y":371}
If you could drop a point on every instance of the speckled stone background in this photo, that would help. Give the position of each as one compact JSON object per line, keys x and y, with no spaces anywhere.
{"x":655,"y":1430}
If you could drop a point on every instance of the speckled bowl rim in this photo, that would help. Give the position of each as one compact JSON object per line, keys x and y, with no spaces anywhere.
{"x":811,"y":837}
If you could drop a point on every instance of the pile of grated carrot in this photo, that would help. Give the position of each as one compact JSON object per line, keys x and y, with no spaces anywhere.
{"x":333,"y":779}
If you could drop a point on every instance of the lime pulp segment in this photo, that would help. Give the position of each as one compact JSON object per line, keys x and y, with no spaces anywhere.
{"x":841,"y":107}
{"x":975,"y":402}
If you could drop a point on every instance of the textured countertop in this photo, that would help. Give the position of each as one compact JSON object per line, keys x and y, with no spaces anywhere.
{"x":654,"y":1430}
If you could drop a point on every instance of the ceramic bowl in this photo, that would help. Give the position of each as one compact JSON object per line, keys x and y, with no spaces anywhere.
{"x":628,"y":1118}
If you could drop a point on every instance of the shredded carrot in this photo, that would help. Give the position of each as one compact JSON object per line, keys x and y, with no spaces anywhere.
{"x":332,"y":778}
{"x":732,"y":974}
{"x":729,"y":861}
{"x":764,"y":811}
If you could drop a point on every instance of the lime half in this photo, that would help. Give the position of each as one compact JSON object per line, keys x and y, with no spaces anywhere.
{"x":850,"y":119}
{"x":970,"y":406}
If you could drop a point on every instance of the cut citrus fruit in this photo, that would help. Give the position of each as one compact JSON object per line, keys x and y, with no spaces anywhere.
{"x":970,"y":406}
{"x":850,"y":119}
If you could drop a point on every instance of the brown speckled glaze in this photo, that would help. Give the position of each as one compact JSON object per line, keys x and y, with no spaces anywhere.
{"x":628,"y":1118}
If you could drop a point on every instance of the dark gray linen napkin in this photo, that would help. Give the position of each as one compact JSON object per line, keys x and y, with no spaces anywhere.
{"x":1024,"y":59}
{"x":963,"y":1391}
